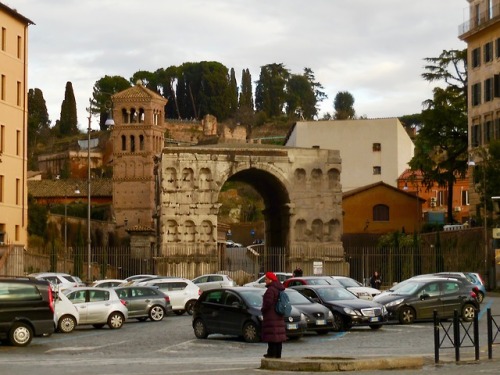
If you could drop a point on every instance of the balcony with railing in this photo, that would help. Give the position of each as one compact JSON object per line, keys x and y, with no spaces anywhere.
{"x":479,"y":21}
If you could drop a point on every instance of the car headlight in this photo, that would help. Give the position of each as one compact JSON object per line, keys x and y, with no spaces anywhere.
{"x":302,"y":317}
{"x":395,"y":302}
{"x":350,"y":311}
{"x":384,"y":310}
{"x":365,"y":294}
{"x":330,"y":315}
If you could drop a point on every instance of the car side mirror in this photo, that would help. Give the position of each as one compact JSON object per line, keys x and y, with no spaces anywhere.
{"x":424,"y":296}
{"x":236,"y":304}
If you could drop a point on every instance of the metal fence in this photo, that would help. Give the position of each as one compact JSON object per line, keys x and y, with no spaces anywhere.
{"x":245,"y":264}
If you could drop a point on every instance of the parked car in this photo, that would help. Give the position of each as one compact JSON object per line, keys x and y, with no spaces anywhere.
{"x":145,"y":302}
{"x":107,"y":283}
{"x":261,"y":281}
{"x":310,"y":280}
{"x":355,"y":287}
{"x":347,"y":309}
{"x":236,"y":311}
{"x":66,"y":314}
{"x":212,"y":281}
{"x":59,"y":280}
{"x":319,"y":318}
{"x":417,"y":298}
{"x":98,"y":306}
{"x":473,"y":278}
{"x":26,"y":309}
{"x":183,"y":293}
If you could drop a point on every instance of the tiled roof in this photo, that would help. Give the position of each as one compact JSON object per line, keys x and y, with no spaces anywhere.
{"x":66,"y":188}
{"x":137,"y":93}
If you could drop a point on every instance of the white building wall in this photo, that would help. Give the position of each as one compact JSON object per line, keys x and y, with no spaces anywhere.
{"x":355,"y":139}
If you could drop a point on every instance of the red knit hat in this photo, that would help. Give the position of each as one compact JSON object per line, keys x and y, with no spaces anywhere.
{"x":271,"y":276}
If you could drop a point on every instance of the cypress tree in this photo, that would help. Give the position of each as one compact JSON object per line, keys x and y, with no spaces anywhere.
{"x":68,"y":123}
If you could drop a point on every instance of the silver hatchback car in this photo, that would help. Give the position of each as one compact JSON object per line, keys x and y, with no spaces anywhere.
{"x":145,"y":302}
{"x":98,"y":306}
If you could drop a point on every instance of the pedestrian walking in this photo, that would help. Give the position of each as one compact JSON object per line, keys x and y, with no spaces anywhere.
{"x":273,"y":325}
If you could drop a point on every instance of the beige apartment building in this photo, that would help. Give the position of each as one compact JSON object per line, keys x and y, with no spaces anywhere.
{"x":13,"y":126}
{"x":481,"y":32}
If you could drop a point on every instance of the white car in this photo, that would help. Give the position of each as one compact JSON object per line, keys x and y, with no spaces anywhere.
{"x":98,"y":306}
{"x":212,"y":281}
{"x":261,"y":281}
{"x":66,"y":315}
{"x":107,"y":283}
{"x":183,"y":293}
{"x":355,"y":287}
{"x":59,"y":280}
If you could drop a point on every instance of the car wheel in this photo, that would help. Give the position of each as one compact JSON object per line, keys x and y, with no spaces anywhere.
{"x":375,"y":326}
{"x":156,"y":313}
{"x":468,"y":312}
{"x":98,"y":326}
{"x":338,"y":323}
{"x":115,"y":320}
{"x":200,"y":330}
{"x":406,"y":315}
{"x":20,"y":334}
{"x":66,"y":324}
{"x":179,"y":312}
{"x":250,"y":332}
{"x":480,"y":297}
{"x":190,"y":307}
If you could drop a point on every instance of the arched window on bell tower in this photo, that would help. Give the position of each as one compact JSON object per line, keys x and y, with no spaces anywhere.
{"x":124,"y":143}
{"x":132,"y":143}
{"x":141,"y":142}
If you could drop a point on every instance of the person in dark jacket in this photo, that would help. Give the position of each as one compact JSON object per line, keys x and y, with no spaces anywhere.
{"x":273,"y":324}
{"x":375,"y":280}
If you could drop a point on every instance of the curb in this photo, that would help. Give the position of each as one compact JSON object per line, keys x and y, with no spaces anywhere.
{"x":324,"y":364}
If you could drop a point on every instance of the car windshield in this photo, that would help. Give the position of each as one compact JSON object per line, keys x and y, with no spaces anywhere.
{"x":335,"y":294}
{"x":296,"y":298}
{"x":347,"y":282}
{"x":409,"y":288}
{"x":253,"y":297}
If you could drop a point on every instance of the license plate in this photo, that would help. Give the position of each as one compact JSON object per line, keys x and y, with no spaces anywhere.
{"x":292,"y":326}
{"x":376,"y":319}
{"x":320,"y":322}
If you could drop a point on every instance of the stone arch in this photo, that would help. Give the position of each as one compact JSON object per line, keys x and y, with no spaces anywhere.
{"x":187,"y":179}
{"x":334,"y":230}
{"x":317,"y":230}
{"x":189,"y":231}
{"x":333,"y":178}
{"x":170,"y":178}
{"x":125,"y":116}
{"x":207,"y":231}
{"x":205,"y":179}
{"x":300,"y":176}
{"x":317,"y":178}
{"x":171,"y":231}
{"x":300,"y":230}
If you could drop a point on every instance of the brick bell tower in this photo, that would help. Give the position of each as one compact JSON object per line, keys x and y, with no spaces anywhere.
{"x":138,"y":135}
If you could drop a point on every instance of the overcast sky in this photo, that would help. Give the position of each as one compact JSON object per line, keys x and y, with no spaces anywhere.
{"x":373,"y":49}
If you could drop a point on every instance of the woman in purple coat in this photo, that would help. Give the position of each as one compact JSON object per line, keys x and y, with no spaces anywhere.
{"x":273,"y":324}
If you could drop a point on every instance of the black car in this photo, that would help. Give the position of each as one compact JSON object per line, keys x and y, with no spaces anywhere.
{"x":26,"y":309}
{"x":347,"y":309}
{"x":237,"y":311}
{"x":417,"y":298}
{"x":319,"y":318}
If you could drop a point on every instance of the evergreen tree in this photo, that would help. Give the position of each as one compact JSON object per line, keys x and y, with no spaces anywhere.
{"x":301,"y":101}
{"x":343,"y":105}
{"x":68,"y":122}
{"x":38,"y":123}
{"x":246,"y":92}
{"x":102,"y":91}
{"x":233,"y":93}
{"x":270,"y":93}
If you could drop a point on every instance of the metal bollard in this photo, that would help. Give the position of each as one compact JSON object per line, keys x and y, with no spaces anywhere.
{"x":436,"y":336}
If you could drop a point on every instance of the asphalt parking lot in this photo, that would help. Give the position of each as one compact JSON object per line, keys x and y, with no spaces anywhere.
{"x":170,"y":346}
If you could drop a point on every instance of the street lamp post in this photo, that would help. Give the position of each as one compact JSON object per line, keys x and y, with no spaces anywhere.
{"x":89,"y":252}
{"x":77,"y":191}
